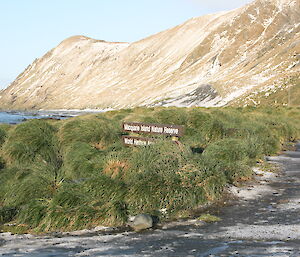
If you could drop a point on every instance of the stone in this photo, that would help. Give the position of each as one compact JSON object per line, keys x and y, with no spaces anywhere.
{"x":141,"y":222}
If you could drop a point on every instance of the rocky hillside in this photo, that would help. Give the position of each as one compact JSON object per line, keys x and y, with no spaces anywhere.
{"x":236,"y":57}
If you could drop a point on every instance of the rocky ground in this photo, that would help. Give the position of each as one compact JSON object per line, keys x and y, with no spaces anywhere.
{"x":263,"y":222}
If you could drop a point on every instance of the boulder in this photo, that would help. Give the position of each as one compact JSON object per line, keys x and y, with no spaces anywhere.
{"x":141,"y":222}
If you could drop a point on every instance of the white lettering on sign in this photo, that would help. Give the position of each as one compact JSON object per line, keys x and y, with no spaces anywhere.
{"x":128,"y":141}
{"x":137,"y":141}
{"x":173,"y":131}
{"x":140,"y":142}
{"x":156,"y":129}
{"x":131,"y":127}
{"x":165,"y":129}
{"x":145,"y":128}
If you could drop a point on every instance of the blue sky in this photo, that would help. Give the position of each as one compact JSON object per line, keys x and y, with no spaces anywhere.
{"x":30,"y":28}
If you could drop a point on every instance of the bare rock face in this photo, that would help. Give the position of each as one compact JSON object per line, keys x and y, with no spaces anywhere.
{"x":141,"y":222}
{"x":207,"y":61}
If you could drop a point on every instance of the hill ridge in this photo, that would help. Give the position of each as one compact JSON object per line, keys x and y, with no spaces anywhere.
{"x":218,"y":59}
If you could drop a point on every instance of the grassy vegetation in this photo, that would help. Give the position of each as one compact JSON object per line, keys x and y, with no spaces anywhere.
{"x":75,"y":173}
{"x":209,"y":218}
{"x":287,"y":95}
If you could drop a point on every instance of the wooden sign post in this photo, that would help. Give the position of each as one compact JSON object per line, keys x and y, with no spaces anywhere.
{"x":175,"y":131}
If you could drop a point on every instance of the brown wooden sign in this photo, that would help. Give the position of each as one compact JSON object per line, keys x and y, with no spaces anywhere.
{"x":137,"y":141}
{"x":161,"y":129}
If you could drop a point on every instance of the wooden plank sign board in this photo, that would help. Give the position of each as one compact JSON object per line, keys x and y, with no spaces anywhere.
{"x":161,"y":129}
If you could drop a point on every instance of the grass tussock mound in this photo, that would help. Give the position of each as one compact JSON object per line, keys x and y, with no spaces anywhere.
{"x":74,"y":174}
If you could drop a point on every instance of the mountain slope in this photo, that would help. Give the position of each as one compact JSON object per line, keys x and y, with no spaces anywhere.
{"x":207,"y":61}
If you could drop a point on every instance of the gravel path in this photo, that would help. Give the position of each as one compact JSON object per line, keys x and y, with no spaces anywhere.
{"x":265,"y":221}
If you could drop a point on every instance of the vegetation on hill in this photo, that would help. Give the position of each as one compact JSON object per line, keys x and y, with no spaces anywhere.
{"x":76,"y":173}
{"x":283,"y":94}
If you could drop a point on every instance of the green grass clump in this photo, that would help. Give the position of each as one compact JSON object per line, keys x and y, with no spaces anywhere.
{"x":75,"y":173}
{"x":2,"y":136}
{"x":97,"y":130}
{"x":32,"y":141}
{"x":161,"y":177}
{"x":29,"y":185}
{"x":33,"y":212}
{"x":209,"y":218}
{"x":230,"y":156}
{"x":228,"y":150}
{"x":78,"y":160}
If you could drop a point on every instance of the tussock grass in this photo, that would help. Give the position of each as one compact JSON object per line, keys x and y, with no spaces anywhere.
{"x":73,"y":174}
{"x":31,"y":141}
{"x":91,"y":130}
{"x":2,"y":136}
{"x":78,"y":160}
{"x":2,"y":163}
